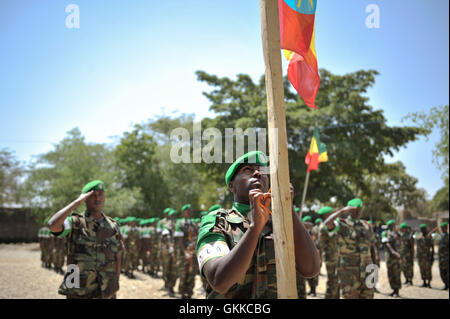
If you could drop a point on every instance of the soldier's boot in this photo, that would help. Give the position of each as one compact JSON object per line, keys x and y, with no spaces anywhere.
{"x":424,"y":284}
{"x":406,"y":282}
{"x":429,"y":284}
{"x":312,"y":291}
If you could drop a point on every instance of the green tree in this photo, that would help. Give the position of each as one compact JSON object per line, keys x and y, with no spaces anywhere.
{"x":357,"y":136}
{"x":56,"y":178}
{"x":11,"y":171}
{"x":139,"y":168}
{"x":436,"y":118}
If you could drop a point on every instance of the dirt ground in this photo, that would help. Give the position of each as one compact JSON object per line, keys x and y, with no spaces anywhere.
{"x":22,"y":277}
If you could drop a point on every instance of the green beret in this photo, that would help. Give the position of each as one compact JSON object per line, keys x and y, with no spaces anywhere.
{"x":167,"y":210}
{"x":318,"y":220}
{"x":370,"y":222}
{"x":254,"y":157}
{"x":132,"y":219}
{"x":403,"y":225}
{"x":390,"y":222}
{"x":187,"y":206}
{"x":423,"y":226}
{"x":173,"y":212}
{"x":383,"y":233}
{"x":203,"y":213}
{"x":306,"y":219}
{"x":214,"y":207}
{"x":94,"y":185}
{"x":356,"y":202}
{"x":444,"y":224}
{"x":325,"y":210}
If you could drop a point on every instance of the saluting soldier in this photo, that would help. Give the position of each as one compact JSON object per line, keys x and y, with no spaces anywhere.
{"x":425,"y":254}
{"x":356,"y":250}
{"x":94,"y":246}
{"x":407,"y":253}
{"x":329,"y":247}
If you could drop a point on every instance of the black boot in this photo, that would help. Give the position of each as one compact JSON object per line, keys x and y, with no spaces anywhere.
{"x":429,"y":284}
{"x":313,"y":291}
{"x":424,"y":284}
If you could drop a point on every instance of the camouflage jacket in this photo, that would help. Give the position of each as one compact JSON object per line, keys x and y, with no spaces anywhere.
{"x":133,"y":238}
{"x":355,"y":239}
{"x":443,"y":248}
{"x":406,"y":243}
{"x":260,"y":279}
{"x":93,"y":247}
{"x":182,"y":229}
{"x":424,"y":246}
{"x":329,"y":244}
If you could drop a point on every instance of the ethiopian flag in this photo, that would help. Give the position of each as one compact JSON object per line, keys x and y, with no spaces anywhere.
{"x":317,"y":152}
{"x":297,"y":19}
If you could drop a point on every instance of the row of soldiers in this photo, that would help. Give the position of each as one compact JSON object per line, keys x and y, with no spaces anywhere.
{"x":53,"y":249}
{"x":340,"y":253}
{"x":167,"y":244}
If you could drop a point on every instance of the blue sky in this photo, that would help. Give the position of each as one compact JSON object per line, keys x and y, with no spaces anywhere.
{"x":133,"y":60}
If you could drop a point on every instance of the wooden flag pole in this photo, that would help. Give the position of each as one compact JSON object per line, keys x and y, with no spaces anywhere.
{"x":304,"y":194}
{"x":279,"y":177}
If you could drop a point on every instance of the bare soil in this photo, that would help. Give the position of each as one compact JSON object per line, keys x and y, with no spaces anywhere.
{"x":22,"y":277}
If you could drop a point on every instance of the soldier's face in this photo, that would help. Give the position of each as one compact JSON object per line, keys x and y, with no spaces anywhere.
{"x":96,"y":200}
{"x":187,"y":213}
{"x":356,"y":213}
{"x":249,"y":177}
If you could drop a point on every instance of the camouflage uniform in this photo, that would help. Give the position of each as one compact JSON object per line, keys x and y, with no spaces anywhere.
{"x":424,"y":255}
{"x":187,"y":268}
{"x":124,"y":258}
{"x":406,"y":252}
{"x":168,"y":253}
{"x":221,"y":230}
{"x":443,"y":257}
{"x":92,"y":246}
{"x":392,"y":262}
{"x":314,"y":282}
{"x":145,"y":249}
{"x":301,"y":286}
{"x":355,"y":239}
{"x":132,"y":247}
{"x":330,"y":249}
{"x":59,"y":252}
{"x":154,"y":250}
{"x":43,"y":234}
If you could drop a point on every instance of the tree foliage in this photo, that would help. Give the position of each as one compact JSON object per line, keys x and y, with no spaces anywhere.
{"x":11,"y":171}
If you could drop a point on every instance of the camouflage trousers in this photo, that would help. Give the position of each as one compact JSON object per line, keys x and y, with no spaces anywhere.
{"x":443,"y":269}
{"x":187,"y":273}
{"x":394,"y":272}
{"x":301,"y":287}
{"x":132,"y":261}
{"x":169,"y":268}
{"x":332,"y":291}
{"x":313,"y":282}
{"x":352,"y":283}
{"x":425,"y":268}
{"x":407,"y":265}
{"x":153,"y":260}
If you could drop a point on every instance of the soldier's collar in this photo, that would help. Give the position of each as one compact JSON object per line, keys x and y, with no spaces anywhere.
{"x":241,"y":208}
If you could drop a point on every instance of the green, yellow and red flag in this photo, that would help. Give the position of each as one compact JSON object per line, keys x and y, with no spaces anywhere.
{"x":297,"y":18}
{"x":317,"y":152}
